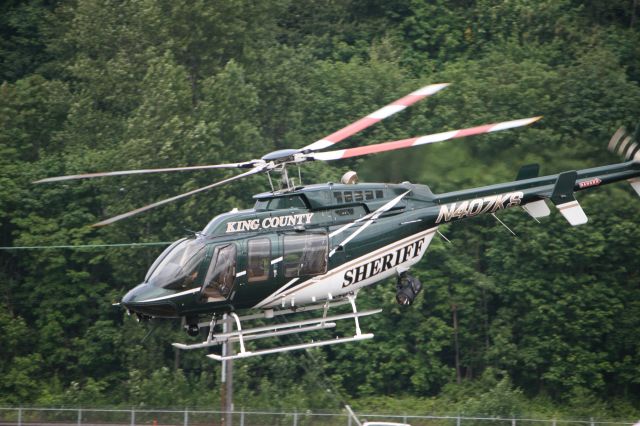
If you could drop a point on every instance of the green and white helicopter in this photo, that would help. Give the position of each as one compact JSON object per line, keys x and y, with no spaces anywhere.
{"x":313,"y":247}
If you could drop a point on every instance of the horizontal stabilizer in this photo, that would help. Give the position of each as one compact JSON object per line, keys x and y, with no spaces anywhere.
{"x":564,"y":200}
{"x":635,"y":184}
{"x":573,"y":213}
{"x":537,"y":209}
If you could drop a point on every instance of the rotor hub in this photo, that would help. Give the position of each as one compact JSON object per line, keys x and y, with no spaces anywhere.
{"x":281,"y":155}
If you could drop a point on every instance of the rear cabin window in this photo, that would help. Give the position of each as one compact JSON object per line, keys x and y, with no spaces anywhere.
{"x":259,"y":259}
{"x":305,"y":254}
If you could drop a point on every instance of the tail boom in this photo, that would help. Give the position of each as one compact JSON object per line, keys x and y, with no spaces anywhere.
{"x":531,"y":193}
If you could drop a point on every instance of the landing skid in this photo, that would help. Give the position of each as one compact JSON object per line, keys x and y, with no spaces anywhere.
{"x":241,"y":335}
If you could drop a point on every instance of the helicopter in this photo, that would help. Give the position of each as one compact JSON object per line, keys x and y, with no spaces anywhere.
{"x":305,"y":248}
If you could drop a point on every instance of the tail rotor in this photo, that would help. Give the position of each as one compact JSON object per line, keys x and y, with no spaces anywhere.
{"x":626,"y":144}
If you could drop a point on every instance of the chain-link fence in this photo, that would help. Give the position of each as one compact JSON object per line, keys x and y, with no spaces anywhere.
{"x":23,"y":416}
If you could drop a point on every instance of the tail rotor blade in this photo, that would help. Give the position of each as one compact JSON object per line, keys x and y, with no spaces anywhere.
{"x":374,"y":117}
{"x":422,"y":140}
{"x":142,"y":171}
{"x":253,"y":171}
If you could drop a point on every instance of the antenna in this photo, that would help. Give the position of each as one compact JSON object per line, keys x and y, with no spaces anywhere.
{"x":443,"y":237}
{"x":503,"y":224}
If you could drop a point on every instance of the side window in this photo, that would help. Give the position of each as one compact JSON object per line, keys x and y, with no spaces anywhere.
{"x":305,"y":254}
{"x":222,"y":271}
{"x":368,"y":195}
{"x":348,"y":196}
{"x":259,"y":259}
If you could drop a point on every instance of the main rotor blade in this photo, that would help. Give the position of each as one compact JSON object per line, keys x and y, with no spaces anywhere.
{"x":141,"y":171}
{"x":253,"y":171}
{"x":374,"y":117}
{"x":421,"y":140}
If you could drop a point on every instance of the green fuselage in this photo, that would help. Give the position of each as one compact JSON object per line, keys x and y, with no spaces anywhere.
{"x":323,"y":241}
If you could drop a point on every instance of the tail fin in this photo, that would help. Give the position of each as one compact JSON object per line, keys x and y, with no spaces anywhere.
{"x":562,"y":197}
{"x":536,"y":209}
{"x":626,"y":144}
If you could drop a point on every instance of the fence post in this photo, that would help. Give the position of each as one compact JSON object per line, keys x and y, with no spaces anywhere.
{"x":592,"y":423}
{"x":553,"y":423}
{"x":19,"y":416}
{"x":133,"y":417}
{"x":404,"y":418}
{"x":186,"y":417}
{"x":513,"y":421}
{"x":458,"y":420}
{"x":242,"y":417}
{"x":295,"y":418}
{"x":79,"y":416}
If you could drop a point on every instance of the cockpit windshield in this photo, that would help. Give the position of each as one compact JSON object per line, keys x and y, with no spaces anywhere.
{"x":178,"y":266}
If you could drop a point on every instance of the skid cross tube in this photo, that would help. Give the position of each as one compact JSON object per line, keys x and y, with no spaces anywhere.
{"x":239,"y":327}
{"x":352,"y":299}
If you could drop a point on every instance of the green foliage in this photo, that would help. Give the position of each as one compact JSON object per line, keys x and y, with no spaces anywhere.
{"x":545,"y":323}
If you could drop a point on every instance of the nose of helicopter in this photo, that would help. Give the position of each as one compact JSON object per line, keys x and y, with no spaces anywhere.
{"x":148,"y":300}
{"x":136,"y":294}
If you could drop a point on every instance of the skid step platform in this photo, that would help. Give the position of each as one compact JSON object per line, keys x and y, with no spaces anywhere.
{"x":241,"y":335}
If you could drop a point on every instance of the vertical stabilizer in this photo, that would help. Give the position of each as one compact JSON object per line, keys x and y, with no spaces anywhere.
{"x":538,"y":208}
{"x":635,"y":184}
{"x":562,"y":197}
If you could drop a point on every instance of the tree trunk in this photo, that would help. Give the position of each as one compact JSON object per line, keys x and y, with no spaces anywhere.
{"x":454,"y":310}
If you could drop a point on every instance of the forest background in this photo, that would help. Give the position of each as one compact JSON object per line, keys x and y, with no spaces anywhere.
{"x":548,"y":323}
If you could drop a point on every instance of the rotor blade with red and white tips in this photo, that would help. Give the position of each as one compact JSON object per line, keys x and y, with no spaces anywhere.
{"x":421,"y":140}
{"x":253,"y":171}
{"x":376,"y":116}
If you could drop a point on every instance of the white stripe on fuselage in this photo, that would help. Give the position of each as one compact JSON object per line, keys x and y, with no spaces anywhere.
{"x":361,"y":272}
{"x":368,"y":220}
{"x":169,"y":296}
